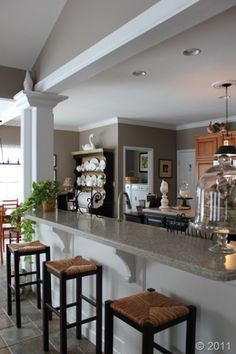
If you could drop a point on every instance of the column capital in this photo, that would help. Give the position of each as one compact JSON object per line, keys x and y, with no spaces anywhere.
{"x":27,"y":99}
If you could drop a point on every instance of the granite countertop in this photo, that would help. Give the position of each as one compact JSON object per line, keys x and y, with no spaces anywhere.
{"x":189,"y":254}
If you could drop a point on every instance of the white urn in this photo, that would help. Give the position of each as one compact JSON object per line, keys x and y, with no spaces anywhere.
{"x":164,"y":191}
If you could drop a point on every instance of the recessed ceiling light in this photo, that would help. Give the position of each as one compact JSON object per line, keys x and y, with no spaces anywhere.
{"x":220,"y":84}
{"x":139,"y":73}
{"x":191,"y":52}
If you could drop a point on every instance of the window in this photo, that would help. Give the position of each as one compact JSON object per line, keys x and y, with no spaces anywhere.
{"x":10,"y":174}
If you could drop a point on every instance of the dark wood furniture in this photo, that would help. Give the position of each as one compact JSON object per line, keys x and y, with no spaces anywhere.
{"x":73,"y":268}
{"x":135,"y":217}
{"x":171,"y":219}
{"x":18,"y":250}
{"x":150,"y":312}
{"x":81,"y":157}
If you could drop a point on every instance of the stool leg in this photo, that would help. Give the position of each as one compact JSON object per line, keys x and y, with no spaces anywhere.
{"x":108,"y":328}
{"x":78,"y":307}
{"x":17,"y":288}
{"x":147,"y":346}
{"x":46,"y":286}
{"x":99,"y":310}
{"x":191,"y":331}
{"x":9,"y":297}
{"x":47,"y":254}
{"x":38,"y":281}
{"x":63,"y":320}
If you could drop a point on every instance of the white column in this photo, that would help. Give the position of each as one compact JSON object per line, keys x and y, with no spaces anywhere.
{"x":26,"y":156}
{"x":42,"y":143}
{"x":36,"y":136}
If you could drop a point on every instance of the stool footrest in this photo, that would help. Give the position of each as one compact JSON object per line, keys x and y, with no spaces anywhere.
{"x":24,"y":274}
{"x":26,"y":284}
{"x":86,"y":320}
{"x":67,"y":306}
{"x":31,"y":283}
{"x":90,"y":301}
{"x":53,"y":309}
{"x":161,"y":349}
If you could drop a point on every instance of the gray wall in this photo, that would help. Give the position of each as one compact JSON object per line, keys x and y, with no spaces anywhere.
{"x":64,"y":143}
{"x":74,"y":31}
{"x":11,"y":81}
{"x":161,"y":140}
{"x":185,"y":139}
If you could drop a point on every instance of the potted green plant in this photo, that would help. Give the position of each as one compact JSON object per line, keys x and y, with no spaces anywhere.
{"x":44,"y":194}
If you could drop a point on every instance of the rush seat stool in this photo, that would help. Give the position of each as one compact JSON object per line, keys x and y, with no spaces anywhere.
{"x":66,"y":269}
{"x":20,"y":250}
{"x":150,"y":312}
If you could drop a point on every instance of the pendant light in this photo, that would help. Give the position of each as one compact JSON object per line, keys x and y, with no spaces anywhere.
{"x":226,"y":148}
{"x":216,"y":193}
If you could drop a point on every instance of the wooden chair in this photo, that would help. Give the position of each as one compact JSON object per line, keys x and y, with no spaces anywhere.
{"x":8,"y":206}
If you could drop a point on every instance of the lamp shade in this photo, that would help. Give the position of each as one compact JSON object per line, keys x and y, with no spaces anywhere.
{"x":226,"y":150}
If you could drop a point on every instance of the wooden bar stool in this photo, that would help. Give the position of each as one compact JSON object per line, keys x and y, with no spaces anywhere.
{"x":73,"y":268}
{"x":150,"y":312}
{"x":18,"y":250}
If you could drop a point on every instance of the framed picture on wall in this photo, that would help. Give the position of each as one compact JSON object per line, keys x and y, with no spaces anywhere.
{"x":143,"y":162}
{"x":165,"y":168}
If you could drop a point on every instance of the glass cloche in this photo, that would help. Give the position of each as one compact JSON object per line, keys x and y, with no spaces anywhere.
{"x":216,"y":202}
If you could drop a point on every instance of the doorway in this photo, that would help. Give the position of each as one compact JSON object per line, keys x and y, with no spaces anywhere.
{"x":131,"y":165}
{"x":186,"y":171}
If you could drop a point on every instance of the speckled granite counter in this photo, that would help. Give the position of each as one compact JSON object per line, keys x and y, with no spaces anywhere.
{"x":181,"y":252}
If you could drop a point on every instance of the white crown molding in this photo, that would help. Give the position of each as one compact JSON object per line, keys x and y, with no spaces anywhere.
{"x":66,"y":128}
{"x":203,"y":123}
{"x":149,"y":19}
{"x":101,"y":123}
{"x":116,"y":120}
{"x":146,"y":123}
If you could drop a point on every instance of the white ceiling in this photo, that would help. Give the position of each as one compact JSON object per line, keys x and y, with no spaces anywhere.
{"x":177,"y":89}
{"x":24,"y":28}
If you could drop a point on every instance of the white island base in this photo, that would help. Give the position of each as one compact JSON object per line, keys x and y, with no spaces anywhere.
{"x":125,"y":274}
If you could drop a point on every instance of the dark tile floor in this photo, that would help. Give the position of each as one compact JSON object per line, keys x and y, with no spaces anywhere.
{"x":28,"y":339}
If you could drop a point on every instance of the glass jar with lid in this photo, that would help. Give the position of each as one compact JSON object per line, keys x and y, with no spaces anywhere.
{"x":216,"y":202}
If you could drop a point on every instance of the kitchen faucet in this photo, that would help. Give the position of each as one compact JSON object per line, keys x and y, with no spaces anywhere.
{"x":120,"y":217}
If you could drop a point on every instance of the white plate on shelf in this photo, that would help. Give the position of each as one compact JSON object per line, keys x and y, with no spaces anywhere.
{"x":94,"y":180}
{"x":102,"y":165}
{"x":89,"y":181}
{"x":83,"y":180}
{"x":92,"y":167}
{"x":86,"y":165}
{"x":94,"y":161}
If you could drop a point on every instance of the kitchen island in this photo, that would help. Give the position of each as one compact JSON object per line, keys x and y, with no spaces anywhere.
{"x":138,"y":256}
